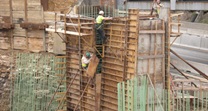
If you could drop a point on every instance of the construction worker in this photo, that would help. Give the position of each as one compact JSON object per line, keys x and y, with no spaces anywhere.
{"x":157,"y":6}
{"x":86,"y":59}
{"x":99,"y":25}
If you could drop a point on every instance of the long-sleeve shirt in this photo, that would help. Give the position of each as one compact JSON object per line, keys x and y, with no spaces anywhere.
{"x":85,"y":60}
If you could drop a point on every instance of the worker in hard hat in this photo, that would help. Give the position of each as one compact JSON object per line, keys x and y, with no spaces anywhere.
{"x":86,"y":59}
{"x":157,"y":6}
{"x":99,"y":25}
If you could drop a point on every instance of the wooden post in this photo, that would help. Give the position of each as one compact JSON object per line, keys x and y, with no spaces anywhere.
{"x":165,"y":15}
{"x":98,"y":92}
{"x":11,"y":21}
{"x":26,"y":20}
{"x":167,"y":58}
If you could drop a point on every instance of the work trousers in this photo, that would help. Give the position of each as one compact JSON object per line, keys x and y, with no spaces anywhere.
{"x":101,"y":35}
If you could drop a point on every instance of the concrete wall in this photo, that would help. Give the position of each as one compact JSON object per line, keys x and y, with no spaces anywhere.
{"x":183,"y":66}
{"x":194,"y":35}
{"x":173,"y":5}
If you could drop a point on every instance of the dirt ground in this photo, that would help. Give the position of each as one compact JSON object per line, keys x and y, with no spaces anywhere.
{"x":5,"y":60}
{"x":190,"y":15}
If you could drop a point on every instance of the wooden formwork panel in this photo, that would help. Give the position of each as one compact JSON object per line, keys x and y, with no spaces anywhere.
{"x":5,"y":42}
{"x":151,"y":53}
{"x":5,"y":8}
{"x":120,"y":54}
{"x":5,"y":39}
{"x":35,"y":34}
{"x":18,"y":5}
{"x":35,"y":16}
{"x":4,"y":34}
{"x":18,"y":31}
{"x":4,"y":1}
{"x":75,"y":48}
{"x":35,"y":44}
{"x":132,"y":43}
{"x":20,"y":43}
{"x":24,"y":11}
{"x":5,"y":13}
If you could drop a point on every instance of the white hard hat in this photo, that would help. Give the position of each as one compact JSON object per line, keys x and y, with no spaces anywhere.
{"x":101,"y":12}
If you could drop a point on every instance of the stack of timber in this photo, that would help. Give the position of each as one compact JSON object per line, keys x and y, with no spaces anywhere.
{"x":5,"y":24}
{"x":24,"y":12}
{"x":28,"y":19}
{"x":5,"y":32}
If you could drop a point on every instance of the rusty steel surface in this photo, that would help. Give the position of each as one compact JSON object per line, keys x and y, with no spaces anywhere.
{"x":34,"y":26}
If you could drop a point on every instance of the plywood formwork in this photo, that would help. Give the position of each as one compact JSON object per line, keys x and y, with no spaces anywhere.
{"x":135,"y":47}
{"x":79,"y":38}
{"x":151,"y":53}
{"x":5,"y":18}
{"x":28,"y":11}
{"x":5,"y":7}
{"x":76,"y":46}
{"x":19,"y":38}
{"x":119,"y":62}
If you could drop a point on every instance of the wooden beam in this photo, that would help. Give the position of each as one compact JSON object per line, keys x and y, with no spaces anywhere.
{"x":98,"y":92}
{"x":151,"y":31}
{"x":67,"y":32}
{"x":174,"y":15}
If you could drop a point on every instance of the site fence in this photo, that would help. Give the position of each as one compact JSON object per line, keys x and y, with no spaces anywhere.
{"x":35,"y":81}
